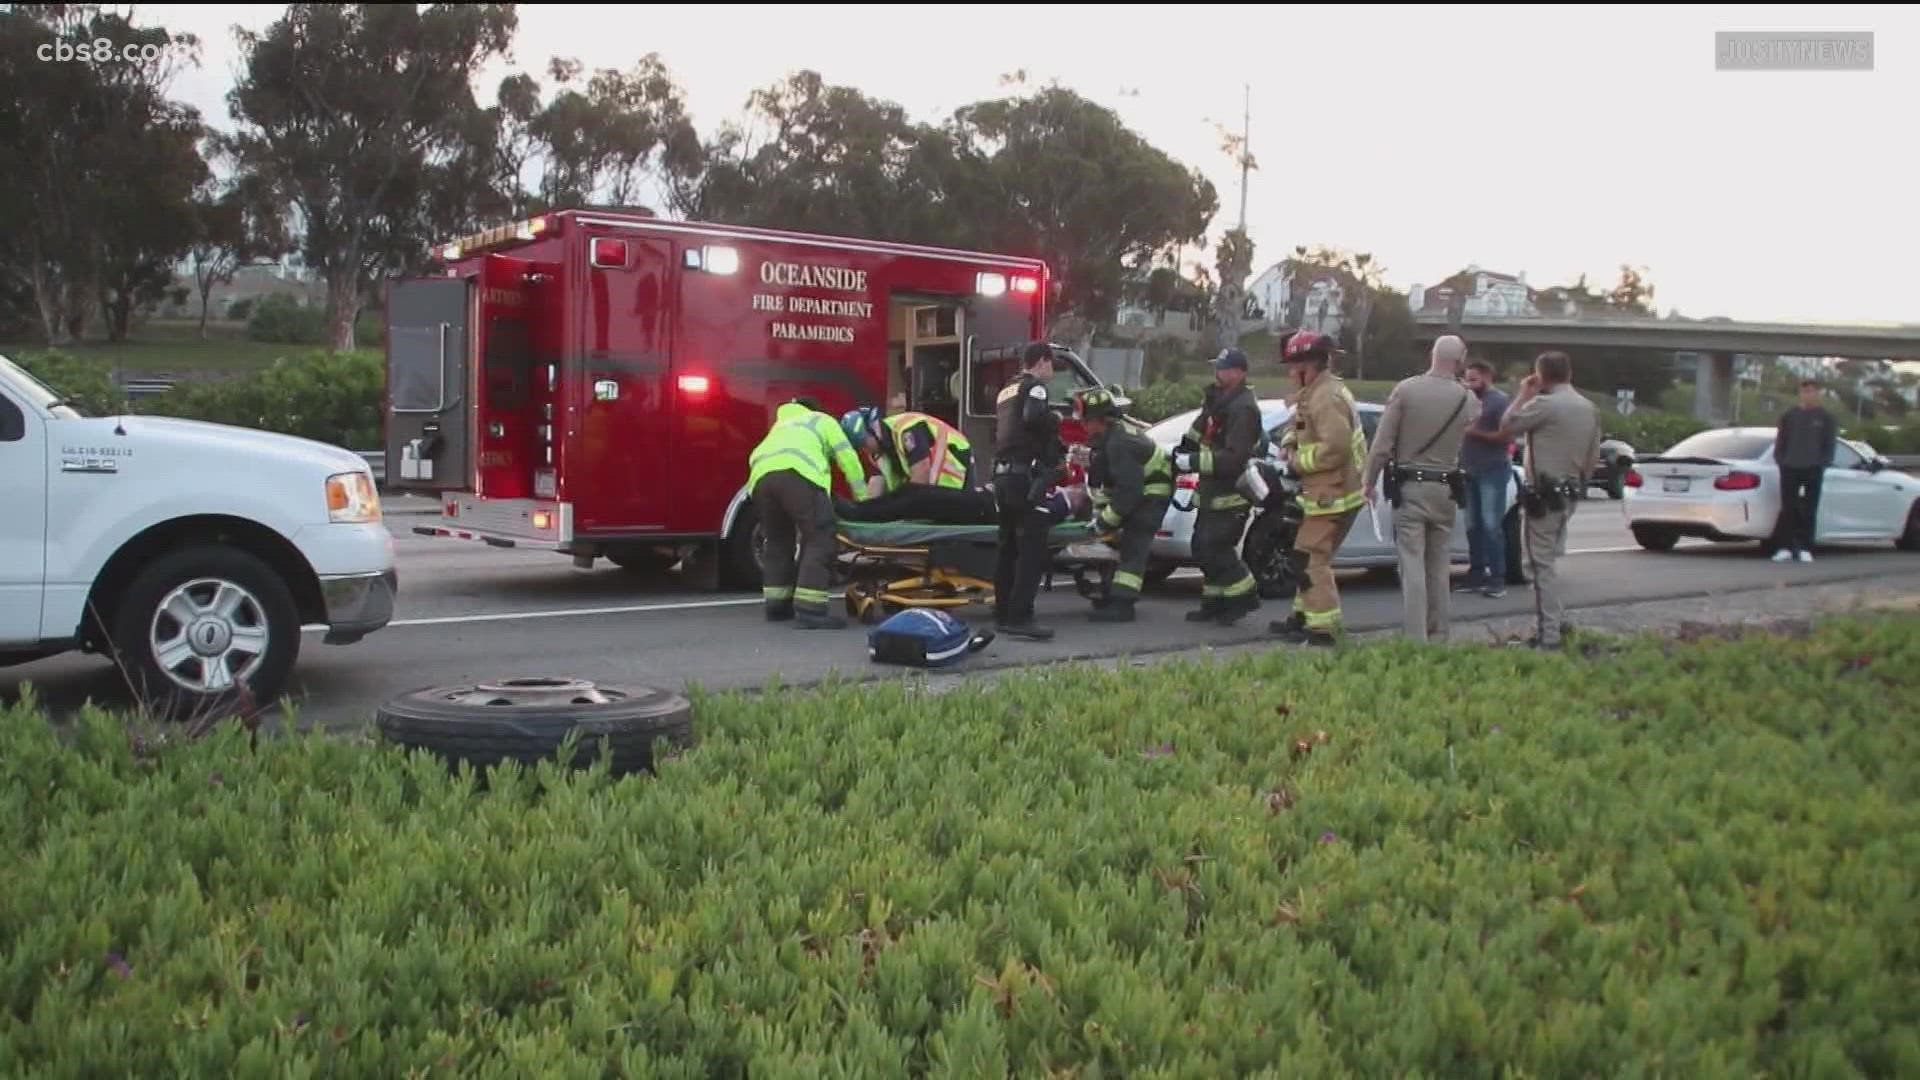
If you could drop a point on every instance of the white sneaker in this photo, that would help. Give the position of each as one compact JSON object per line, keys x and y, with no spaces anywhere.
{"x":1783,"y":555}
{"x":1806,"y":556}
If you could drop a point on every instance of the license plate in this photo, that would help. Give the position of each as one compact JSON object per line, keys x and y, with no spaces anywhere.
{"x":1676,"y":483}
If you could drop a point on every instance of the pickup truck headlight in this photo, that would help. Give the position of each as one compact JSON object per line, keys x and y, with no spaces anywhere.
{"x":351,"y":499}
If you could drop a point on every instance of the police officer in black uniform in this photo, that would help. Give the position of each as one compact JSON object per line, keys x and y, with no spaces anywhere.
{"x":1027,"y":457}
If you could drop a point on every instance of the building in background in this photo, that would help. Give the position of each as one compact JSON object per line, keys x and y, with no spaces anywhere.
{"x":1478,"y":293}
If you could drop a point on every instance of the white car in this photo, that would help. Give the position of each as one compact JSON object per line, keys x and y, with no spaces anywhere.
{"x":1173,"y":545}
{"x":194,"y":554}
{"x":1722,"y":485}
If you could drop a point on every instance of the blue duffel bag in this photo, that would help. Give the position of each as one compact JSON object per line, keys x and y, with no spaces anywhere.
{"x":924,"y":637}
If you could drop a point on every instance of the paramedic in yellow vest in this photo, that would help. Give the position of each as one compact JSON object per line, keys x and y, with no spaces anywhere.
{"x":1327,"y":448}
{"x":909,"y":448}
{"x":791,"y":485}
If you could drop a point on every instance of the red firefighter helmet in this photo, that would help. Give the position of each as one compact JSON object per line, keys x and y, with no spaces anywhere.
{"x":1307,"y":345}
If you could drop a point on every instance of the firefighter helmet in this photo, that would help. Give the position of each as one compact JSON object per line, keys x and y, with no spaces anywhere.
{"x":1096,"y":402}
{"x":861,"y":424}
{"x":1307,"y":345}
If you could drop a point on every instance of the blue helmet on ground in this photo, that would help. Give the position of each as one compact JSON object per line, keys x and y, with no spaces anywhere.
{"x":859,"y":424}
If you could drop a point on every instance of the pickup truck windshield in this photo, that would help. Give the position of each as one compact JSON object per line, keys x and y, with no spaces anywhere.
{"x":36,"y":392}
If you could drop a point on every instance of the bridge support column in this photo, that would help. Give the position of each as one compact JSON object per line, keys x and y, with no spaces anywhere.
{"x":1713,"y":388}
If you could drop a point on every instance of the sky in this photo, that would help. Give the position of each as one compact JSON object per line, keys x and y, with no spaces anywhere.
{"x":1550,"y":141}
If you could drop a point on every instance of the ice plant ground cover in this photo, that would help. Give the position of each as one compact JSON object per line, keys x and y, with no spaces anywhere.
{"x":1687,"y":859}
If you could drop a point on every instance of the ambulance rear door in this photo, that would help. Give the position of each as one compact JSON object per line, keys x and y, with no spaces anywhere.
{"x":429,"y":421}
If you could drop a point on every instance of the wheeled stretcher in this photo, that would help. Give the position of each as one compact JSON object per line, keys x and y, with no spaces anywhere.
{"x":894,"y":565}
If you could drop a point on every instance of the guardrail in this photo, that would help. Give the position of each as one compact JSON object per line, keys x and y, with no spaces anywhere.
{"x":377,"y":463}
{"x":149,"y":387}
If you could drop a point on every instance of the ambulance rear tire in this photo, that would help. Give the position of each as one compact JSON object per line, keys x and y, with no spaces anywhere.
{"x":743,"y":552}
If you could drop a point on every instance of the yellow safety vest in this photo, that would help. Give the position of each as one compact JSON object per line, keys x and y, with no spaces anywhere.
{"x":947,"y":470}
{"x":809,"y":443}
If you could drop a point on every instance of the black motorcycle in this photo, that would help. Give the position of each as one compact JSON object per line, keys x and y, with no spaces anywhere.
{"x":1267,"y":547}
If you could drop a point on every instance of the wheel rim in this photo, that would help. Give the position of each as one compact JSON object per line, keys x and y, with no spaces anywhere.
{"x":534,"y":692}
{"x":209,"y":635}
{"x":758,"y":543}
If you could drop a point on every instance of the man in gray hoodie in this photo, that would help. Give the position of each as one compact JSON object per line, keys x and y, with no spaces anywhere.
{"x":1802,"y":448}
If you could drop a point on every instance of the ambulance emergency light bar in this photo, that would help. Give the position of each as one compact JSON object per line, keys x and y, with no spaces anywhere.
{"x":468,"y":245}
{"x":991,"y":284}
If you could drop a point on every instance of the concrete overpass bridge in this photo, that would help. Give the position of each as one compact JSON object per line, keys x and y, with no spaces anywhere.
{"x":1716,"y":342}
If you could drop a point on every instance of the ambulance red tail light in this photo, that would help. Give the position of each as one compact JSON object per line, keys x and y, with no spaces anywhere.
{"x":609,"y":253}
{"x":695,"y":385}
{"x":1026,"y":286}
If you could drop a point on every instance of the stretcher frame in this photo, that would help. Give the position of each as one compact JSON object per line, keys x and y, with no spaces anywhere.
{"x":885,"y":576}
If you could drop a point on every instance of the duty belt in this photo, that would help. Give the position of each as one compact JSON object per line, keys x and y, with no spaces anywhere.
{"x":1427,"y":476}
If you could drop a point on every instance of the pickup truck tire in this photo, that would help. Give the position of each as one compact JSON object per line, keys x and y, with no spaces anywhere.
{"x":527,"y":720}
{"x":205,"y":630}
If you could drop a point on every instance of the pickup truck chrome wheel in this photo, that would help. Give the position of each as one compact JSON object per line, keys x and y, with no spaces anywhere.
{"x":207,"y":631}
{"x":209,"y":635}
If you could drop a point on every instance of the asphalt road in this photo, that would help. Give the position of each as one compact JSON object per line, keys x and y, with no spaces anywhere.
{"x":469,"y":613}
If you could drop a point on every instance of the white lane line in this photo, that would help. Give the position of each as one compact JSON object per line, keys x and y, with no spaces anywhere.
{"x":509,"y":616}
{"x":696,"y":605}
{"x":628,"y":609}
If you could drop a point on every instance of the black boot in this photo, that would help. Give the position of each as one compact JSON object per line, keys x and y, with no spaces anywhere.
{"x":808,"y":621}
{"x":1114,"y":611}
{"x":1235,"y":608}
{"x":1209,"y":610}
{"x":1293,"y":626}
{"x":1028,"y":629}
{"x":780,"y":612}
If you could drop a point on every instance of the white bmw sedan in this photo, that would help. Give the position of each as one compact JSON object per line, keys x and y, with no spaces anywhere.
{"x":1723,"y":486}
{"x":1173,"y":544}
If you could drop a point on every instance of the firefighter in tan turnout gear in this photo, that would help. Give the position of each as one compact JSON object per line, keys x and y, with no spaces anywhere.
{"x":1326,"y":446}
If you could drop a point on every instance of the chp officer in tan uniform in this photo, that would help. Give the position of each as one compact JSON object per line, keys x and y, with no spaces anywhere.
{"x":1416,"y":450}
{"x":1562,"y":430}
{"x":1326,"y":446}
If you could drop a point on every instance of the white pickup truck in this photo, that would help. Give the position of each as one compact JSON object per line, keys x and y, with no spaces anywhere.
{"x":193,"y":554}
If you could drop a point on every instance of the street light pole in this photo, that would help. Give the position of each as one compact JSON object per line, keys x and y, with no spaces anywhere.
{"x":1246,"y":152}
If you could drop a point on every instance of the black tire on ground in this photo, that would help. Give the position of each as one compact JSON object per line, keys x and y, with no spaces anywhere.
{"x":642,"y":560}
{"x":233,"y":590}
{"x":1516,"y":555}
{"x":484,"y":735}
{"x":742,"y":551}
{"x":1910,"y":539}
{"x":1655,"y":538}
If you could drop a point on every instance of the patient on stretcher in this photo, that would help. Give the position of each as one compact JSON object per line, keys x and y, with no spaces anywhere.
{"x":953,"y":506}
{"x":923,"y":502}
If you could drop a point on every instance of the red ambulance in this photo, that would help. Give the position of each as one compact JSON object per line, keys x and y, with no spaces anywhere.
{"x":591,"y":382}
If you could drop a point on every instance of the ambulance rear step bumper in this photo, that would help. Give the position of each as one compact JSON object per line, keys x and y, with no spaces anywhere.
{"x":530,"y":523}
